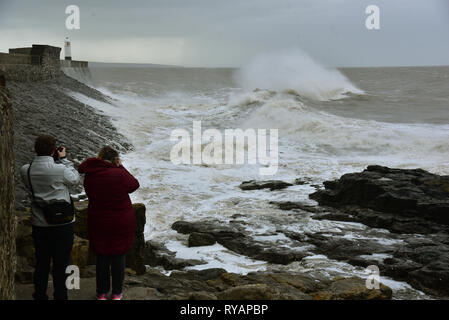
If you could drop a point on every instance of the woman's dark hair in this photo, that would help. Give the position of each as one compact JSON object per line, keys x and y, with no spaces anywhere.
{"x":109,"y":154}
{"x":45,"y":145}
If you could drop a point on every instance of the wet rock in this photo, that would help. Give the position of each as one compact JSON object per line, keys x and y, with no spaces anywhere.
{"x":24,"y":271}
{"x":80,"y":252}
{"x":197,"y":239}
{"x":156,"y":254}
{"x":300,"y":181}
{"x":342,"y":249}
{"x":216,"y":283}
{"x":136,"y":255}
{"x":235,"y":238}
{"x":412,"y":204}
{"x":392,"y":222}
{"x":352,"y":289}
{"x":407,"y":192}
{"x":142,"y":293}
{"x":290,"y":205}
{"x":88,"y":271}
{"x":24,"y":238}
{"x":421,"y":262}
{"x":250,"y":292}
{"x":80,"y":226}
{"x":269,"y":184}
{"x":201,"y":295}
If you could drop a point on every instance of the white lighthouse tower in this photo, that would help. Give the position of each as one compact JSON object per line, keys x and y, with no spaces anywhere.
{"x":67,"y":49}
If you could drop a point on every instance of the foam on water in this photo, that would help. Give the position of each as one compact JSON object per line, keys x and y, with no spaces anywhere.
{"x":294,"y":71}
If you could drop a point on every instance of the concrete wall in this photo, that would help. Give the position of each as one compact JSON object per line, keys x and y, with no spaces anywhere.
{"x":40,"y":62}
{"x":6,"y":58}
{"x":24,"y":73}
{"x":21,"y":50}
{"x":74,"y":64}
{"x":7,"y":216}
{"x":49,"y":56}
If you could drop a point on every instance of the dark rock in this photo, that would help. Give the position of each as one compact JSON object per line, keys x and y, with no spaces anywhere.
{"x":353,"y":289}
{"x":269,"y":184}
{"x":250,"y":292}
{"x":156,"y":254}
{"x":215,"y":283}
{"x":300,"y":182}
{"x":201,"y":295}
{"x":413,"y":203}
{"x":136,"y":255}
{"x":289,"y":205}
{"x":235,"y":238}
{"x":24,"y":271}
{"x":197,"y":239}
{"x":406,"y":192}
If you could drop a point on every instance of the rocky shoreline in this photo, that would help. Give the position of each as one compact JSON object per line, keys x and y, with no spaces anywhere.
{"x":147,"y":283}
{"x":413,"y":204}
{"x":418,"y":258}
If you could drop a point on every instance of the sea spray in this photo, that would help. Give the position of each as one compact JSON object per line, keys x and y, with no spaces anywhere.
{"x":294,"y":71}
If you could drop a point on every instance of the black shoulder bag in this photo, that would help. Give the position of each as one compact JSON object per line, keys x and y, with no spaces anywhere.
{"x":55,"y":212}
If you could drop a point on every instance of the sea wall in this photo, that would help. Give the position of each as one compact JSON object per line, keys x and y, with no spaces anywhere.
{"x":24,"y":67}
{"x":7,"y":217}
{"x":26,"y":72}
{"x":74,"y":64}
{"x":8,"y":58}
{"x":36,"y":63}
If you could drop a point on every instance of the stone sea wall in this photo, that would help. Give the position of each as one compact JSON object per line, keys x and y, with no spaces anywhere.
{"x":74,"y":64}
{"x":26,"y":73}
{"x":36,"y":63}
{"x":7,"y":217}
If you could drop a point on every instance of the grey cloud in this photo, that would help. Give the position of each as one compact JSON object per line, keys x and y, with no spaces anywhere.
{"x":228,"y":33}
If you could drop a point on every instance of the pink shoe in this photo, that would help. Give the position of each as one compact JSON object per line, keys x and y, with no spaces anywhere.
{"x":101,"y":296}
{"x":117,"y":296}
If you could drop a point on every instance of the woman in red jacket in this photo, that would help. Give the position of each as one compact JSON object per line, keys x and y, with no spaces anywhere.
{"x":111,"y":220}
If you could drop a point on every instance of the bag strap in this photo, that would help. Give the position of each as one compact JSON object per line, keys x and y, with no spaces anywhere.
{"x":29,"y":181}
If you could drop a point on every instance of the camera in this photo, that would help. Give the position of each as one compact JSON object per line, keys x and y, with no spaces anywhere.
{"x":56,"y":155}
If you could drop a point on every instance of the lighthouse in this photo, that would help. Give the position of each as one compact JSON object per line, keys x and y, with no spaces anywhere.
{"x":67,"y":49}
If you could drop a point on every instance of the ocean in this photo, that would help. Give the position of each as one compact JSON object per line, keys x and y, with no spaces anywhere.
{"x":330,"y":122}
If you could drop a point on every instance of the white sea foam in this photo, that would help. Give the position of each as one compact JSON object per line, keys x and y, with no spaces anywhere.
{"x":295,"y":71}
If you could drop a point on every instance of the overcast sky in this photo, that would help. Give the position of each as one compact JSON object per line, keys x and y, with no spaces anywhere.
{"x":228,"y":33}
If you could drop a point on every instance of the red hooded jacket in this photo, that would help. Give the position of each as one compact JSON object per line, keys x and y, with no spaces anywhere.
{"x":111,"y":221}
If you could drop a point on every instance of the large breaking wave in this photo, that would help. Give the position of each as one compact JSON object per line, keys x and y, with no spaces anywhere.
{"x":294,"y":71}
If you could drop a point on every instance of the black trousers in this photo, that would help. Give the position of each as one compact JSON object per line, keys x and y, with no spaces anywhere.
{"x":52,"y":244}
{"x":107,"y":266}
